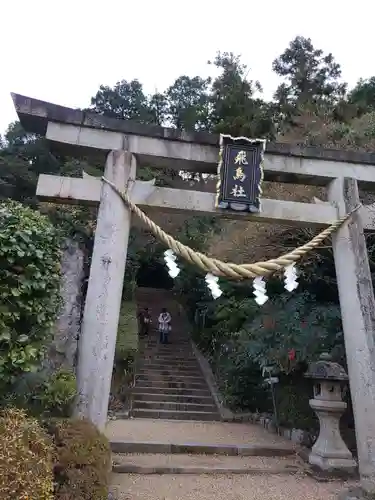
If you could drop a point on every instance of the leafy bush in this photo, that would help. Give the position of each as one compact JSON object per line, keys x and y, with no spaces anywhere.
{"x":42,"y":394}
{"x":56,"y":394}
{"x":293,"y":394}
{"x":127,"y":333}
{"x":83,"y":460}
{"x":29,"y":287}
{"x":125,"y":355}
{"x":26,"y":468}
{"x":239,"y":339}
{"x":295,"y":322}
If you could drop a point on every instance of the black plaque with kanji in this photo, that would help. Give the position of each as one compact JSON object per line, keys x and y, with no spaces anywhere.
{"x":240,"y":173}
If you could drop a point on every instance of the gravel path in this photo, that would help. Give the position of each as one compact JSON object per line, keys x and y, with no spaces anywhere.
{"x":242,"y":487}
{"x":172,"y":431}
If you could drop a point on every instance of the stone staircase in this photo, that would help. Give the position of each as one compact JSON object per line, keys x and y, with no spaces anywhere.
{"x":160,"y":446}
{"x":156,"y":459}
{"x":182,"y":450}
{"x":168,"y":382}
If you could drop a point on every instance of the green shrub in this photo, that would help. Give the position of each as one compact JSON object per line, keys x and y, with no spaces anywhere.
{"x":125,"y":354}
{"x":26,"y":468}
{"x":239,"y":339}
{"x":57,"y":393}
{"x":293,"y":394}
{"x":127,"y":333}
{"x":29,"y":288}
{"x":83,"y":460}
{"x":43,"y":395}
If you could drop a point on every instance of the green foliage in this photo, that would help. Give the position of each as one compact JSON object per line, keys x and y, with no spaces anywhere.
{"x":310,"y":76}
{"x":235,"y":109}
{"x":127,"y":333}
{"x":127,"y":100}
{"x":363,"y":96}
{"x":239,"y":339}
{"x":26,"y":467}
{"x":29,"y":288}
{"x":83,"y":461}
{"x":188,"y":105}
{"x":43,"y":394}
{"x":296,"y":322}
{"x":56,"y":395}
{"x":126,"y":352}
{"x":293,"y":393}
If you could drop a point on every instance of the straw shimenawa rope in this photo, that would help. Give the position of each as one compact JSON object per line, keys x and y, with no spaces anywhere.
{"x":229,"y":269}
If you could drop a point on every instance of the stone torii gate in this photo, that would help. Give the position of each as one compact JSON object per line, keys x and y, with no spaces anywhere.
{"x":121,"y":145}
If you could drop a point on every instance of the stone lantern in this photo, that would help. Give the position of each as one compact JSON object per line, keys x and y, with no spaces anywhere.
{"x":329,"y":453}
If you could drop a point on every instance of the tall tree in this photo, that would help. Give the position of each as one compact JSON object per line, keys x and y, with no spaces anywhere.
{"x":311,"y":77}
{"x":362,"y":97}
{"x":157,"y":108}
{"x":22,"y":157}
{"x":235,"y":109}
{"x":126,"y":100}
{"x":188,"y":103}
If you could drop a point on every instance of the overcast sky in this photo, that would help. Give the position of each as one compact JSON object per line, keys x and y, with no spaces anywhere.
{"x":62,"y":51}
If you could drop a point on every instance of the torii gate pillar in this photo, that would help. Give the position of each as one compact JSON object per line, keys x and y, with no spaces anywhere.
{"x":358,"y":318}
{"x":97,"y":340}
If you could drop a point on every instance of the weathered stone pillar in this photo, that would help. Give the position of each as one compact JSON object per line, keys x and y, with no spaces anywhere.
{"x":63,"y":349}
{"x":358,"y":318}
{"x":97,"y":341}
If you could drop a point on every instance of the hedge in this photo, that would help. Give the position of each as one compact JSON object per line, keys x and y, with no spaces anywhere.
{"x":26,"y":458}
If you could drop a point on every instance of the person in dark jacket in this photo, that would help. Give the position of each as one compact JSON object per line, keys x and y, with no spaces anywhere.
{"x":145,"y":322}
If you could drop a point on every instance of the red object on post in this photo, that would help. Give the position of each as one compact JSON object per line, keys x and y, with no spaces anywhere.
{"x":292,"y":354}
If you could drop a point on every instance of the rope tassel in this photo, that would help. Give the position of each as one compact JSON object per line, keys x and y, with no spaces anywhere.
{"x":229,"y":269}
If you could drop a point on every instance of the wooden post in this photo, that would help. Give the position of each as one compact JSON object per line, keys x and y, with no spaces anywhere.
{"x":97,"y":340}
{"x":358,"y":318}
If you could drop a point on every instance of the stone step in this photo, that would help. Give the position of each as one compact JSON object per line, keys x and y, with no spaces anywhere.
{"x":173,"y":342}
{"x":230,"y":450}
{"x":150,"y":360}
{"x":166,"y":358}
{"x":172,"y":397}
{"x":201,"y":464}
{"x":174,"y":336}
{"x":171,"y":384}
{"x":172,"y":346}
{"x":173,"y":377}
{"x":175,"y":415}
{"x":155,"y":364}
{"x":154,"y":339}
{"x":163,"y":352}
{"x":171,"y":371}
{"x":171,"y":374}
{"x":146,"y":388}
{"x":174,"y":406}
